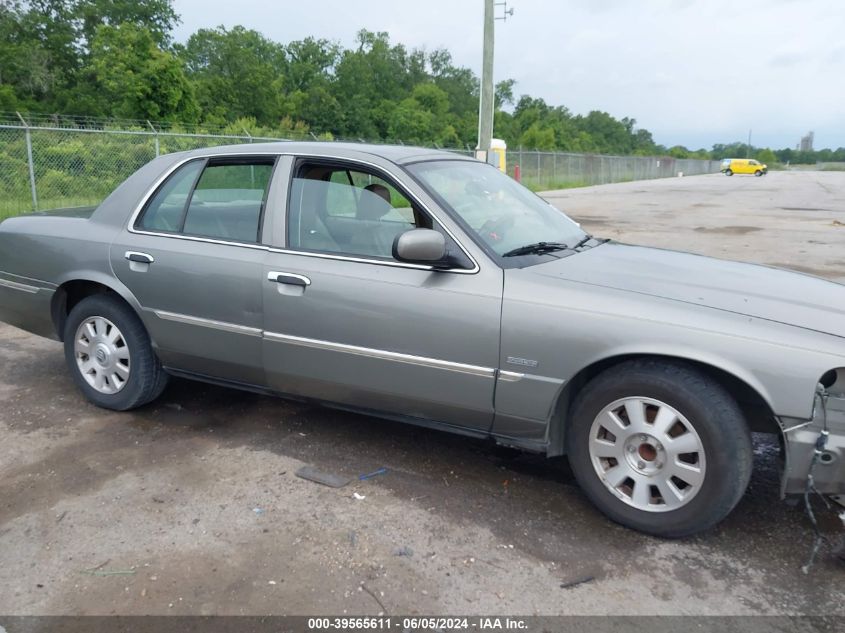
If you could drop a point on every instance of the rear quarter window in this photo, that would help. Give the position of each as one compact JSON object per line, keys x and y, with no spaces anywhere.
{"x":164,"y":211}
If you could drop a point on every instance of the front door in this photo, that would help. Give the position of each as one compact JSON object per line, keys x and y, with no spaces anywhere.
{"x":346,"y":323}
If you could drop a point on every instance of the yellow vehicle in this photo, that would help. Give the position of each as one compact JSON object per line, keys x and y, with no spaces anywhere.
{"x":731,"y":166}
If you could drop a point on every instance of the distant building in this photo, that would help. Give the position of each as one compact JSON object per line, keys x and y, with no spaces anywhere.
{"x":806,"y":144}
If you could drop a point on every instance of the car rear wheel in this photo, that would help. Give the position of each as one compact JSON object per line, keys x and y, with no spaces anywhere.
{"x":758,"y":173}
{"x":109,"y":354}
{"x":659,"y":447}
{"x":729,"y":172}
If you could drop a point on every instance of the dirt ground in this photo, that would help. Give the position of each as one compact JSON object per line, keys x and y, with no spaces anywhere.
{"x":191,"y":505}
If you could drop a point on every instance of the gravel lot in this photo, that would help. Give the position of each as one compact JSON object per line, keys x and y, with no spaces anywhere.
{"x":788,"y":219}
{"x":191,"y":506}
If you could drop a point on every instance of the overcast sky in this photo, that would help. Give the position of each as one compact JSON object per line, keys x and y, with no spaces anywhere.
{"x":693,"y":72}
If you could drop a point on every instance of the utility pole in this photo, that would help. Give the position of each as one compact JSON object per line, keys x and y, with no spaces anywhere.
{"x":748,"y":150}
{"x":485,"y":105}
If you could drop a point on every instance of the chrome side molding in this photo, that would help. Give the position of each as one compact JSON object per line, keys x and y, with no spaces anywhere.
{"x":209,"y":323}
{"x":369,"y":352}
{"x":14,"y":285}
{"x":475,"y":370}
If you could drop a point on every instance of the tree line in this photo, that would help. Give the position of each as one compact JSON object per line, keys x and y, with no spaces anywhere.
{"x":117,"y":58}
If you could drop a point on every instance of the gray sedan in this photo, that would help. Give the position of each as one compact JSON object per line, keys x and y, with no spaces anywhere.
{"x":429,"y":288}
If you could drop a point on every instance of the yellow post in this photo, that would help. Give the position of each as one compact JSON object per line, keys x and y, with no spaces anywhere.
{"x":498,"y":154}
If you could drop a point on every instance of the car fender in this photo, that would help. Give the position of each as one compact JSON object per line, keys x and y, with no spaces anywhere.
{"x":92,"y":276}
{"x":697,"y":355}
{"x":572,"y":327}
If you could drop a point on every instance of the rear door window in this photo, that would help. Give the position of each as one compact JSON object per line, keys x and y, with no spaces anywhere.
{"x":220,"y":198}
{"x":228,"y":201}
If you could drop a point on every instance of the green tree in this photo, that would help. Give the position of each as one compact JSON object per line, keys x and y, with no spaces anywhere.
{"x":137,"y":78}
{"x":461,"y":87}
{"x":315,"y":106}
{"x":8,"y":100}
{"x":37,"y":50}
{"x":644,"y":142}
{"x":237,"y":73}
{"x":538,"y":137}
{"x":766,"y":156}
{"x":45,"y":47}
{"x":410,"y":123}
{"x":310,"y":63}
{"x":431,"y":98}
{"x":374,"y":71}
{"x":610,"y":135}
{"x":425,"y":115}
{"x":156,"y":16}
{"x":503,"y":93}
{"x":731,"y":150}
{"x":56,"y":55}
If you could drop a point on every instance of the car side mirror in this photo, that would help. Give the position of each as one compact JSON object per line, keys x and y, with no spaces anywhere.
{"x":421,"y":246}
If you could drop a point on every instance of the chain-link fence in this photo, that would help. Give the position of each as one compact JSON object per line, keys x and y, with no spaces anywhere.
{"x":556,"y":170}
{"x":47,"y":167}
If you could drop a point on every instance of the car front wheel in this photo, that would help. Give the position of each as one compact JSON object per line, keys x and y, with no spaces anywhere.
{"x":109,"y":354}
{"x":729,"y":172}
{"x":660,"y":447}
{"x":758,"y":173}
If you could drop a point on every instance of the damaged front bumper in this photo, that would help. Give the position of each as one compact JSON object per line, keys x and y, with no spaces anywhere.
{"x":802,"y":440}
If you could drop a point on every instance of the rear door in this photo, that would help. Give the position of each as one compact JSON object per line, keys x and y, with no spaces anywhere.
{"x":194,"y":259}
{"x":346,"y":323}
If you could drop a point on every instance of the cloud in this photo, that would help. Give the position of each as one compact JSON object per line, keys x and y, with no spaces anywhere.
{"x":790,"y":58}
{"x":694,"y":72}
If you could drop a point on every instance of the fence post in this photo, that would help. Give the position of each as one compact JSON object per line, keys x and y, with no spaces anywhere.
{"x":251,"y":167}
{"x":158,"y":149}
{"x":30,"y":162}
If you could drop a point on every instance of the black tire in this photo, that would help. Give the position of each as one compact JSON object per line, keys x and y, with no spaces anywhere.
{"x":146,"y":380}
{"x":758,"y":173}
{"x":710,"y":410}
{"x":729,"y":172}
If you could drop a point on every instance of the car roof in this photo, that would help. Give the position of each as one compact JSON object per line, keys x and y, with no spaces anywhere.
{"x":114,"y":209}
{"x":400,"y":154}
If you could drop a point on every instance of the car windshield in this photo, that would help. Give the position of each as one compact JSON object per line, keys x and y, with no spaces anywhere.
{"x":506,"y":215}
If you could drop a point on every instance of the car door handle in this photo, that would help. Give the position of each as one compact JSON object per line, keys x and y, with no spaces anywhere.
{"x":139,"y":258}
{"x":289,"y":279}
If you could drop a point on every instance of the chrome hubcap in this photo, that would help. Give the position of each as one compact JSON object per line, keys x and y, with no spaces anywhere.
{"x":647,"y":454}
{"x":102,"y":355}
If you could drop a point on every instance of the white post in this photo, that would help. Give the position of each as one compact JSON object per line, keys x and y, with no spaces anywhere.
{"x":158,"y":149}
{"x":30,"y":162}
